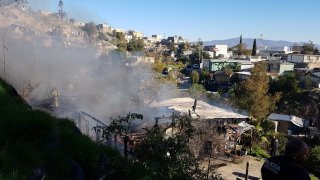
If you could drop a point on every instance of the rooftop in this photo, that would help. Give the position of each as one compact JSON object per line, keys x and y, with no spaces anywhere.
{"x":203,"y":109}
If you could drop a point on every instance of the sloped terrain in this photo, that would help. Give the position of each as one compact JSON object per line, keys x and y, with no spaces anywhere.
{"x":34,"y":143}
{"x":47,"y":27}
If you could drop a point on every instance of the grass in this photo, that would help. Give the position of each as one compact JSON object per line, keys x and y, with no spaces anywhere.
{"x":31,"y":139}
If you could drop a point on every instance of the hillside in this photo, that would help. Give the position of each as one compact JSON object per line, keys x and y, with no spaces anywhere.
{"x":34,"y":143}
{"x":47,"y":28}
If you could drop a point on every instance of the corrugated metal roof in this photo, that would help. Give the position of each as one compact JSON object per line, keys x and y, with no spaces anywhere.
{"x":244,"y":73}
{"x":283,"y":117}
{"x":203,"y":109}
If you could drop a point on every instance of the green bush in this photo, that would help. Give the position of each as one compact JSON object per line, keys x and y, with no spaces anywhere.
{"x":158,"y":66}
{"x":195,"y":77}
{"x":259,"y":152}
{"x":313,"y":163}
{"x":282,"y":140}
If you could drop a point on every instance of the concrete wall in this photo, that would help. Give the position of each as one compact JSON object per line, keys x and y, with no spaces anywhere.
{"x":221,"y":49}
{"x":216,"y":66}
{"x":295,"y":58}
{"x":283,"y":127}
{"x":285,"y":67}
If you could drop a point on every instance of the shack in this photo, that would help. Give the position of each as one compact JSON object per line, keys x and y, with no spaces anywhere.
{"x":288,"y":124}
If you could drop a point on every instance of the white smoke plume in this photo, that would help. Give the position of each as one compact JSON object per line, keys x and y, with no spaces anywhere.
{"x":104,"y":87}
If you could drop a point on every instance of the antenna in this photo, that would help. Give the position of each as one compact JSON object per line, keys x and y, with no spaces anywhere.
{"x":61,"y":13}
{"x":261,"y":40}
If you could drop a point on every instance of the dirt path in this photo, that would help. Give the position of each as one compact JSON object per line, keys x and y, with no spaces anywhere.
{"x":233,"y":171}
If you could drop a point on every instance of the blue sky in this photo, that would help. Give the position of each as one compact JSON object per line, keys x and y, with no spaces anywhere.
{"x":293,"y":20}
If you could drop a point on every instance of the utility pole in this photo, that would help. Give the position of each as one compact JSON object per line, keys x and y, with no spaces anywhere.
{"x":4,"y":56}
{"x":199,"y":49}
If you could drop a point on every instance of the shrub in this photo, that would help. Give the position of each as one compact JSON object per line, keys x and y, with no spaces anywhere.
{"x":313,"y":163}
{"x":195,"y":77}
{"x":158,"y":66}
{"x":259,"y":152}
{"x":282,"y":139}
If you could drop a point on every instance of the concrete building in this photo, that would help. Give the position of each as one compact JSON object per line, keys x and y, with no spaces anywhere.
{"x":218,"y":49}
{"x":288,"y":123}
{"x":219,"y":64}
{"x":278,"y":67}
{"x":275,"y":52}
{"x":135,"y":34}
{"x":278,"y":48}
{"x":173,"y":39}
{"x":304,"y":60}
{"x":104,"y":27}
{"x":156,"y":38}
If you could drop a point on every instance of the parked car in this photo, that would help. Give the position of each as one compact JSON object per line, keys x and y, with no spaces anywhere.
{"x":196,"y":66}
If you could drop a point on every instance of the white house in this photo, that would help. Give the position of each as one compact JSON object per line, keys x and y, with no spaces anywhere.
{"x":156,"y":38}
{"x":218,"y":49}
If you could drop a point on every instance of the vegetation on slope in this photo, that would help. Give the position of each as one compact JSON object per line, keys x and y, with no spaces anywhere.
{"x":32,"y":141}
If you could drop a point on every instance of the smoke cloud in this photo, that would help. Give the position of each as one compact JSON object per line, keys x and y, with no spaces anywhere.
{"x":103,"y":86}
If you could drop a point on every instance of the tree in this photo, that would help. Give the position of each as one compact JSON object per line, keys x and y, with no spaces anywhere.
{"x":181,"y":48}
{"x":158,"y":66}
{"x":287,"y":85}
{"x":316,"y":51}
{"x":135,"y":44}
{"x":228,"y":71}
{"x":102,"y":36}
{"x":254,"y":48}
{"x":206,"y":55}
{"x":166,"y":152}
{"x":118,"y":127}
{"x":308,"y":84}
{"x":252,"y":94}
{"x":121,"y":41}
{"x":91,"y":29}
{"x":314,"y":160}
{"x":308,"y":48}
{"x":195,"y":77}
{"x":240,"y":39}
{"x":241,"y":49}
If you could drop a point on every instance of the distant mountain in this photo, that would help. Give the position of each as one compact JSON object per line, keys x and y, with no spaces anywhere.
{"x":249,"y":42}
